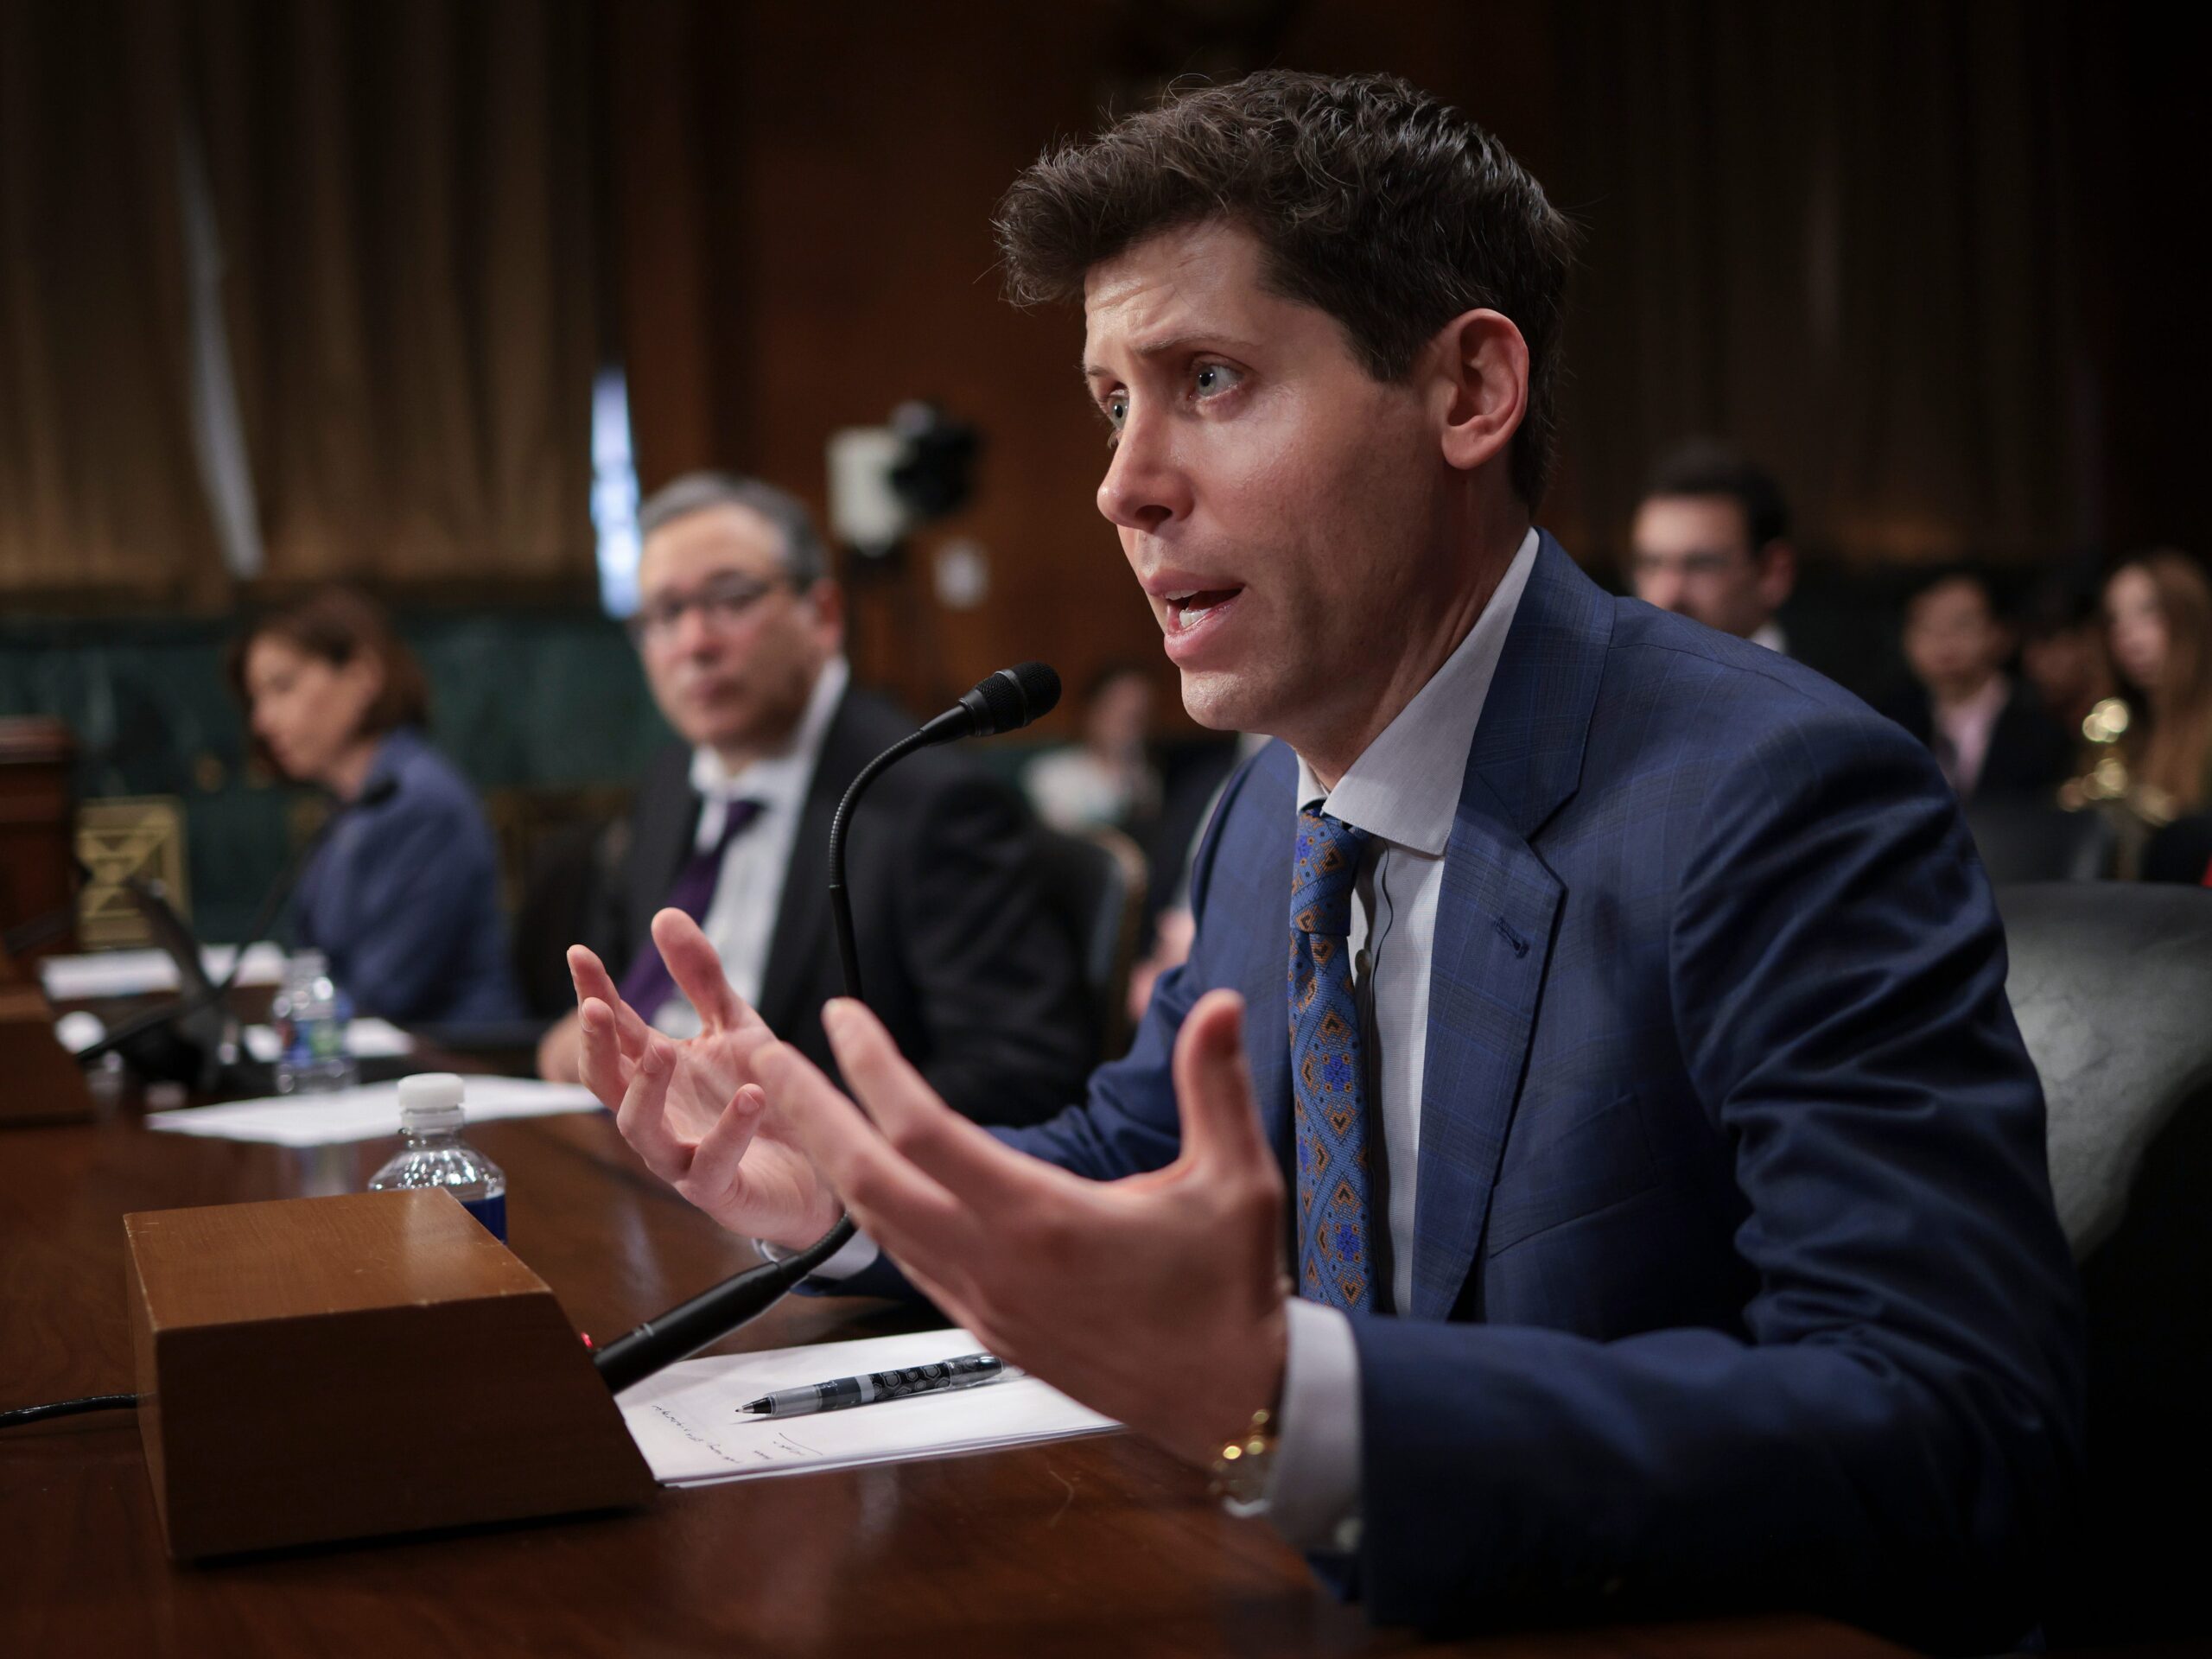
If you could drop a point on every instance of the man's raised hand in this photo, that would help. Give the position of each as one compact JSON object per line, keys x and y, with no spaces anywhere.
{"x":1158,"y":1299}
{"x":693,"y":1109}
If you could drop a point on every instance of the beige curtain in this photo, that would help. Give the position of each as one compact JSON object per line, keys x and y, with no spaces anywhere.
{"x":403,"y":188}
{"x":99,"y":491}
{"x":1849,"y":237}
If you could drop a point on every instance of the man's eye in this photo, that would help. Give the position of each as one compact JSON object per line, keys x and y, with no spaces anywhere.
{"x":1215,"y":379}
{"x":1117,"y":408}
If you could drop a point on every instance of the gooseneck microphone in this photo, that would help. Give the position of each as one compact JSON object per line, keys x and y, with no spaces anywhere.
{"x":1006,"y":701}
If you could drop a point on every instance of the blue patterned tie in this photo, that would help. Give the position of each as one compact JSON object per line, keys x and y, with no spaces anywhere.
{"x":1328,"y":1079}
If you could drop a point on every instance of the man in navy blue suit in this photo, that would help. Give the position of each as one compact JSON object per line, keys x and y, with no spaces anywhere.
{"x":1588,"y":1161}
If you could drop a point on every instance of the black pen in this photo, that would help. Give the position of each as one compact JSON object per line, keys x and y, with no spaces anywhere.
{"x":969,"y":1371}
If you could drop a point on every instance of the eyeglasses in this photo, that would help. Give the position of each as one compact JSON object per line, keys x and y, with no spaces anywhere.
{"x":721,"y":602}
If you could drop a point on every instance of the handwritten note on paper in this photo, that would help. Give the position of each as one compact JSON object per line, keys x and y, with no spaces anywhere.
{"x":687,"y":1422}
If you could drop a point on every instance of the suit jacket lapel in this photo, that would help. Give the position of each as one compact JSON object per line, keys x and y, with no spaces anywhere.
{"x":803,"y":914}
{"x":664,"y":826}
{"x":1495,"y":914}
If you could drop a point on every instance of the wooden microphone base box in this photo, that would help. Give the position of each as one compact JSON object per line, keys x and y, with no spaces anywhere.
{"x":312,"y":1370}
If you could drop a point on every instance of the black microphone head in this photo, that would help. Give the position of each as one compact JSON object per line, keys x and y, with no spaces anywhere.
{"x":1012,"y":698}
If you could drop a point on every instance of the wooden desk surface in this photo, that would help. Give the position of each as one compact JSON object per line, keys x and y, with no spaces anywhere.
{"x":1099,"y":1546}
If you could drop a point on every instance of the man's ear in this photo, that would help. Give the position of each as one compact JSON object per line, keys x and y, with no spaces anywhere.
{"x":1777,"y":574}
{"x":1481,"y":364}
{"x":829,"y":602}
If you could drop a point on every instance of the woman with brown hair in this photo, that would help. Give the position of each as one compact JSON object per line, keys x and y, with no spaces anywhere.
{"x":2158,"y":613}
{"x":403,"y":896}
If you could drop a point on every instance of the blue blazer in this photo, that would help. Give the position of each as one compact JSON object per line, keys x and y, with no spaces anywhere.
{"x":404,"y":898}
{"x":1736,"y":1276}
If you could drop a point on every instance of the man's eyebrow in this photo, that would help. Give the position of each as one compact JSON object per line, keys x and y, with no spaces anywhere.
{"x":1174,"y":343}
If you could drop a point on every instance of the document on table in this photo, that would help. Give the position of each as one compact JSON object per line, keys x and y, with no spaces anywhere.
{"x":366,"y":1038}
{"x":135,"y":973}
{"x":686,"y":1419}
{"x":368,"y":1112}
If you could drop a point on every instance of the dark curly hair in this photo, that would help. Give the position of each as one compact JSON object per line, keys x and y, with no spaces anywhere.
{"x":1377,"y":203}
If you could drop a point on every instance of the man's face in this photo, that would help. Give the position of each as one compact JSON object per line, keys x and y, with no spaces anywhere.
{"x":1952,"y":641}
{"x":731,"y":650}
{"x":1280,"y":508}
{"x":1692,"y":554}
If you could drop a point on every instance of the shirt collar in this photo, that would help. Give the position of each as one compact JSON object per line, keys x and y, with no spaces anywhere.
{"x":1769,"y":634}
{"x":1984,"y":706}
{"x":777,"y":781}
{"x":394,"y":749}
{"x":1405,"y":786}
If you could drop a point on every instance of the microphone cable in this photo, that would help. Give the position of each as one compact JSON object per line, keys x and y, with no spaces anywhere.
{"x":19,"y":1415}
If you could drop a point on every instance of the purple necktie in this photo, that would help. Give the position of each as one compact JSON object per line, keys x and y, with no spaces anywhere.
{"x":647,"y":985}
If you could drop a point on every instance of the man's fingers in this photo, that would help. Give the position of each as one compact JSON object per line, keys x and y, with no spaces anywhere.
{"x":643,"y":1115}
{"x":594,"y":983}
{"x":953,"y":1151}
{"x":599,"y":1061}
{"x":715,"y":1161}
{"x":1213,"y":1086}
{"x":853,"y":1158}
{"x":696,"y":968}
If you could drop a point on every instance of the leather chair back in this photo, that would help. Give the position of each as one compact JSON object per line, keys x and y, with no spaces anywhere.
{"x":2112,"y":984}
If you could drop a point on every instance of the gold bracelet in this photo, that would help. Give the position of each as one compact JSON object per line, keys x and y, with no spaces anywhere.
{"x":1240,"y":1469}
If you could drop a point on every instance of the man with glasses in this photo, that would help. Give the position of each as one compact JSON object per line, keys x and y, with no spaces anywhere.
{"x":740,"y":631}
{"x":1711,"y":543}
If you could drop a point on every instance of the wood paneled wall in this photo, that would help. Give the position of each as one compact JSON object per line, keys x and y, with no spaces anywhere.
{"x":804,"y":196}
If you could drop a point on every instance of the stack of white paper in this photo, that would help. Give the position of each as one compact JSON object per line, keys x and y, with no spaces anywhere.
{"x":136,"y":973}
{"x":686,"y":1419}
{"x":367,"y":1113}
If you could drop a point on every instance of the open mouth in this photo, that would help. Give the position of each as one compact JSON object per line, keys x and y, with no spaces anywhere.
{"x":1186,"y":611}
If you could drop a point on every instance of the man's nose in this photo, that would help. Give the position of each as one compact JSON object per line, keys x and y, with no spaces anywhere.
{"x":1145,"y":486}
{"x":1664,"y":589}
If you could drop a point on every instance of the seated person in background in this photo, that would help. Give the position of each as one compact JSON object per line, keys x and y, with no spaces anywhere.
{"x":1711,"y":543}
{"x":1987,"y":731}
{"x":1587,"y":1166}
{"x":742,"y":633}
{"x":1107,"y":778}
{"x":2158,"y":608}
{"x":404,"y":898}
{"x":2062,"y":652}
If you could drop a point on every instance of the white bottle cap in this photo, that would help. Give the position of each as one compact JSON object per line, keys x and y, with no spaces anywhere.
{"x":430,"y":1103}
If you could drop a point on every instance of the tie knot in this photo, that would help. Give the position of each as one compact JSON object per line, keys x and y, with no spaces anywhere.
{"x":737,"y":817}
{"x":1322,"y":873}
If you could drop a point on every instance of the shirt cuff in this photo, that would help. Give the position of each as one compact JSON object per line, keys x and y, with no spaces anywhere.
{"x":1313,"y":1496}
{"x":856,"y":1255}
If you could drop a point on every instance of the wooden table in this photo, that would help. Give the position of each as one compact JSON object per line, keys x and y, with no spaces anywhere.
{"x":1094,"y":1546}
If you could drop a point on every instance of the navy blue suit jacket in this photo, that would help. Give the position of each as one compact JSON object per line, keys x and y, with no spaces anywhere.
{"x":1736,"y":1276}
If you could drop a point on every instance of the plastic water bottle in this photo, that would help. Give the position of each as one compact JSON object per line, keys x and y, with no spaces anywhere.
{"x":430,"y":1116}
{"x":311,"y":1016}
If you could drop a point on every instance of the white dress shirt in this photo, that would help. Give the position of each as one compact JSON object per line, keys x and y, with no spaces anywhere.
{"x":741,"y":919}
{"x":1404,"y":791}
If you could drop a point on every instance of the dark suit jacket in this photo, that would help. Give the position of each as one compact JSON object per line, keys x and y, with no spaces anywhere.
{"x":959,"y":955}
{"x":2030,"y":752}
{"x":404,"y":897}
{"x":1736,"y":1276}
